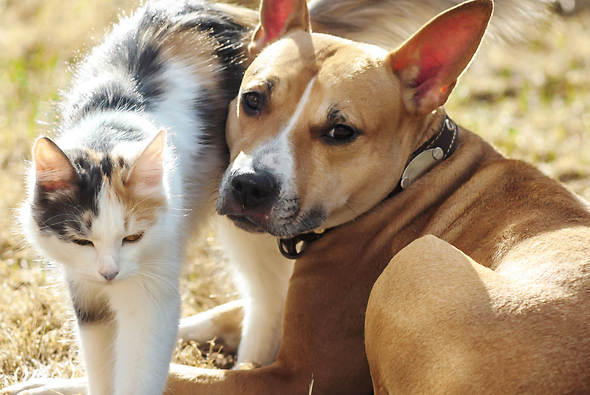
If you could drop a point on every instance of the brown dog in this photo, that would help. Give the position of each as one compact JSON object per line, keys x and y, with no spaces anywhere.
{"x":477,"y":266}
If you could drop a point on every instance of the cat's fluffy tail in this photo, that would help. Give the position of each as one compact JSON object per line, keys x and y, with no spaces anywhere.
{"x":388,"y":23}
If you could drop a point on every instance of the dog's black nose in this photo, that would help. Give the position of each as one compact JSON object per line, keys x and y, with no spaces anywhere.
{"x":251,"y":189}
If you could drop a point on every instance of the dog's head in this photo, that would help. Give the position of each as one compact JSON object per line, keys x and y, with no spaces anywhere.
{"x":323,"y":127}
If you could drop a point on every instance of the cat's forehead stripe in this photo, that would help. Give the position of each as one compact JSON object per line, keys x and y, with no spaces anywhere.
{"x":107,"y":166}
{"x":94,"y":165}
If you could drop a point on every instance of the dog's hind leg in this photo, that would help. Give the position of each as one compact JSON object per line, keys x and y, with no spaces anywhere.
{"x":417,"y":329}
{"x":439,"y":323}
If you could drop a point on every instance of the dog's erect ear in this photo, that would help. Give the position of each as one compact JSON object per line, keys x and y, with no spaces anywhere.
{"x":429,"y":63}
{"x":277,"y":18}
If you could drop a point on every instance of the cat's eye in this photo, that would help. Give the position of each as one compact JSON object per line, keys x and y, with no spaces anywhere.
{"x":133,"y":238}
{"x":83,"y":242}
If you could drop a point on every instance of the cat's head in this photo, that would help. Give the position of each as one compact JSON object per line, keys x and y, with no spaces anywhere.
{"x":96,"y":212}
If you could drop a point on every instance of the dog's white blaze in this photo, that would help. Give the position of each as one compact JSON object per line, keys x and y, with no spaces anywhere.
{"x":277,"y":154}
{"x":302,"y":103}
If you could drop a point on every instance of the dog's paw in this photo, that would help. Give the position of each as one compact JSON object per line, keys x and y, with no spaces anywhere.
{"x":48,"y":387}
{"x":222,"y":323}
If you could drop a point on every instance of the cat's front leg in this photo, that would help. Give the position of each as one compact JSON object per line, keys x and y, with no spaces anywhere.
{"x":147,"y":317}
{"x":97,"y":340}
{"x":96,"y":331}
{"x":263,"y":280}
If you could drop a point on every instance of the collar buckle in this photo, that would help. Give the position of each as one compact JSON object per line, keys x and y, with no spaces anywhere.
{"x":294,"y":247}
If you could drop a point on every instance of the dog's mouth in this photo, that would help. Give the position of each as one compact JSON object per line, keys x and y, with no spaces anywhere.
{"x":242,"y":222}
{"x":280,"y":227}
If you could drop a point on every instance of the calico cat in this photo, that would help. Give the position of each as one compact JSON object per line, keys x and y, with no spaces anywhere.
{"x":114,"y":198}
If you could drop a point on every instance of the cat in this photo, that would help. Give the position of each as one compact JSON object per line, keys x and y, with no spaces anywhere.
{"x":115,"y":197}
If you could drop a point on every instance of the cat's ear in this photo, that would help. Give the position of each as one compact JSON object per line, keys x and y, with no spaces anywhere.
{"x":53,"y":169}
{"x":148,"y":170}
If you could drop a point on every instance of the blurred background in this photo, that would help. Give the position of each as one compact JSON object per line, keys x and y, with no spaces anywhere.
{"x":529,"y":98}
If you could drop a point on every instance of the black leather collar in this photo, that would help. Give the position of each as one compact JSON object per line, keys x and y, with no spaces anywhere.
{"x":438,"y":148}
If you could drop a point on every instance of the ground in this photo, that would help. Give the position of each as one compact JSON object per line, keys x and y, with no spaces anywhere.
{"x":531,"y":99}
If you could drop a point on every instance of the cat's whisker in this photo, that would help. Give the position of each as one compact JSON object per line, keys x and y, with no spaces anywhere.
{"x":167,"y":284}
{"x":19,"y":246}
{"x":179,"y":209}
{"x":153,"y":274}
{"x":158,"y":264}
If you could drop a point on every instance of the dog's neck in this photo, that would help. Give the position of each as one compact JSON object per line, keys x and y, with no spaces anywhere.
{"x":441,"y":140}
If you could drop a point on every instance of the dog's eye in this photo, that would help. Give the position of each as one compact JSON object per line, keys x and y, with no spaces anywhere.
{"x":133,"y":238}
{"x":252,"y":102}
{"x":341,"y":132}
{"x":83,"y":242}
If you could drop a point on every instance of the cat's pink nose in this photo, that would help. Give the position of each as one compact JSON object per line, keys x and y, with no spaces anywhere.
{"x":109,"y":274}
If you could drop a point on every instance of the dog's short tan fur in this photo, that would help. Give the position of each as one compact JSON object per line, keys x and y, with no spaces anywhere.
{"x":474,"y":279}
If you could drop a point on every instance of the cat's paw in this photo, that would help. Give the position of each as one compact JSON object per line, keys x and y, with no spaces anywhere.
{"x":48,"y":387}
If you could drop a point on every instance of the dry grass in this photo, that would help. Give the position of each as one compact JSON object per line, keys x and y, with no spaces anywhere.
{"x":531,"y":100}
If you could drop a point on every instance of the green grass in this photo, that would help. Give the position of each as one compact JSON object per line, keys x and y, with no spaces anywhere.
{"x":531,"y":100}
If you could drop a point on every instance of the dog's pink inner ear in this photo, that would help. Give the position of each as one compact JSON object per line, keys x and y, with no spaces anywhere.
{"x":277,"y":18}
{"x":53,"y":170}
{"x":274,"y":17}
{"x":148,"y":170}
{"x":431,"y":61}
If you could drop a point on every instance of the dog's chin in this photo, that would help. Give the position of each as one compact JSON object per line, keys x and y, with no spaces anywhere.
{"x":281,"y":228}
{"x":245,"y":224}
